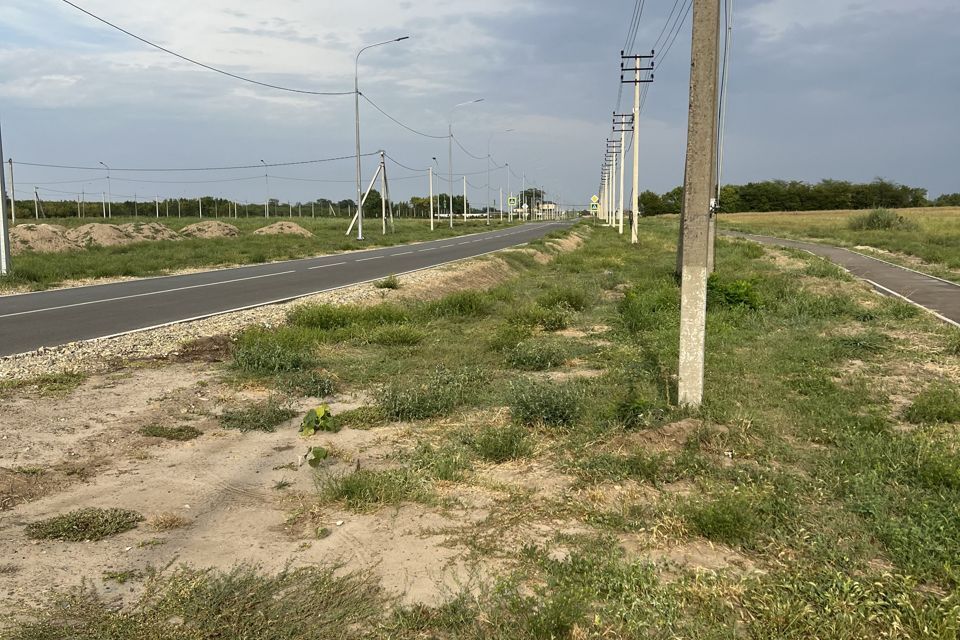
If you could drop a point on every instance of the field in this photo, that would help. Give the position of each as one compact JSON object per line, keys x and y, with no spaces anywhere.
{"x":928,"y":240}
{"x":36,"y":271}
{"x":507,"y":462}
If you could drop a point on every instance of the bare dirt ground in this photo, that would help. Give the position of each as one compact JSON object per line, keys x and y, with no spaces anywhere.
{"x":242,"y":497}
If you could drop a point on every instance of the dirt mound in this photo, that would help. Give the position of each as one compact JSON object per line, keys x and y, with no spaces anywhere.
{"x":99,"y":235}
{"x":210,"y":229}
{"x":145,"y":231}
{"x":283,"y":228}
{"x":45,"y":238}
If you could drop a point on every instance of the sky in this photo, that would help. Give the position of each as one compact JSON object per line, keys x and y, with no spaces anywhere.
{"x":844,"y":89}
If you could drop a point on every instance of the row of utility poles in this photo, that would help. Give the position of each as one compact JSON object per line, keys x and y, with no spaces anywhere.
{"x":695,"y":255}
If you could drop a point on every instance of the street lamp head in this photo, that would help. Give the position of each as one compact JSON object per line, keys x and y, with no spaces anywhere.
{"x":402,"y":38}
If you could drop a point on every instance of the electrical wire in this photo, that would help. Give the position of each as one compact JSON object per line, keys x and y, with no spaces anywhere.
{"x":190,"y":169}
{"x":407,"y":127}
{"x":201,"y":64}
{"x":675,"y":34}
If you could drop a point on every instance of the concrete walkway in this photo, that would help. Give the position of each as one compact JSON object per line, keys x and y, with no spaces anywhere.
{"x":940,"y":297}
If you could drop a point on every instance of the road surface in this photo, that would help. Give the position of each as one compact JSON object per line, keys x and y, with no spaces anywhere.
{"x":50,"y":318}
{"x":937,"y":295}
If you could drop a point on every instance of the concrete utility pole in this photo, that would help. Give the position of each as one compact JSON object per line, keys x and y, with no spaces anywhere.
{"x":464,"y":198}
{"x":200,"y":206}
{"x":698,"y":192}
{"x":4,"y":229}
{"x":721,"y":119}
{"x":157,"y":199}
{"x":266,"y":202}
{"x":109,"y":192}
{"x":430,"y":171}
{"x":636,"y":81}
{"x":13,"y":195}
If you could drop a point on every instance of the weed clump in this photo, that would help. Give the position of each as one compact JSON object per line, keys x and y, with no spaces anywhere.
{"x":734,"y":293}
{"x":263,"y":416}
{"x":313,"y":383}
{"x":181,"y":434}
{"x":361,"y":418}
{"x":881,"y":220}
{"x":390,"y":282}
{"x":500,"y":444}
{"x":441,"y":463}
{"x":937,"y":404}
{"x":437,"y":395}
{"x":462,"y":304}
{"x":536,"y":355}
{"x":566,"y":297}
{"x":366,"y":490}
{"x":397,"y":336}
{"x":640,"y":413}
{"x":326,"y":317}
{"x":547,"y":404}
{"x":730,"y":519}
{"x":84,"y":524}
{"x":262,"y":352}
{"x":537,"y":316}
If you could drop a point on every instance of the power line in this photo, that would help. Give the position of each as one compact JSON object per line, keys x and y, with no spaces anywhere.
{"x":201,"y":64}
{"x":679,"y":27}
{"x":170,"y":170}
{"x":407,"y":127}
{"x":664,"y":30}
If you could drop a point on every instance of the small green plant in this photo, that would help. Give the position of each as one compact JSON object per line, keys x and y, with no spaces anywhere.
{"x":729,"y":518}
{"x":366,"y":490}
{"x":640,"y":413}
{"x":316,"y":455}
{"x":462,"y":304}
{"x":939,"y":403}
{"x":953,"y":343}
{"x":397,"y":336}
{"x":282,"y":484}
{"x":881,"y":220}
{"x":314,"y":383}
{"x":566,"y":298}
{"x":440,"y":463}
{"x":122,"y":577}
{"x":548,"y":404}
{"x":390,"y":282}
{"x":260,"y":351}
{"x":262,"y":416}
{"x":430,"y":397}
{"x":182,"y":433}
{"x":84,"y":524}
{"x":361,"y":418}
{"x":732,"y":293}
{"x":318,"y":419}
{"x":536,"y":316}
{"x":536,"y":355}
{"x":499,"y":444}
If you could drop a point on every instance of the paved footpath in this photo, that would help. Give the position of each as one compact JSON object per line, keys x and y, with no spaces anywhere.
{"x":50,"y":318}
{"x":937,"y":295}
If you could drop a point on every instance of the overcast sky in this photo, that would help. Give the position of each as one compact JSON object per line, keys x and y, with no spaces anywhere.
{"x":848,"y":89}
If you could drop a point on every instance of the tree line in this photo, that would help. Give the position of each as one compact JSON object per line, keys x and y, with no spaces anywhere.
{"x":795,"y":195}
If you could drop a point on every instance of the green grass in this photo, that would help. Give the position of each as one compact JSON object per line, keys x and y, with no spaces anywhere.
{"x":794,"y":504}
{"x":261,"y":416}
{"x":84,"y":524}
{"x":181,"y":433}
{"x":937,"y":404}
{"x":49,"y":384}
{"x":930,"y":234}
{"x":502,"y":443}
{"x":43,"y":270}
{"x":318,"y":602}
{"x":537,"y":355}
{"x":367,"y":490}
{"x":390,"y":282}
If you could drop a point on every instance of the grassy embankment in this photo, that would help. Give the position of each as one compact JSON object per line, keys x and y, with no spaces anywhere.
{"x":816,"y":494}
{"x":930,"y":235}
{"x":41,"y":270}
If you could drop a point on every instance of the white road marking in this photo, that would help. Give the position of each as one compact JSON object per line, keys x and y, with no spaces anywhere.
{"x":427,"y":249}
{"x":365,"y":259}
{"x":916,"y":304}
{"x":402,"y":253}
{"x":324,"y":266}
{"x":142,"y":295}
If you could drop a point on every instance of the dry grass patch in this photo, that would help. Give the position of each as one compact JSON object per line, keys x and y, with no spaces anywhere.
{"x":166,"y":521}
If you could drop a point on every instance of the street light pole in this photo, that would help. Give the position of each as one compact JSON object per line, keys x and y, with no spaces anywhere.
{"x":356,"y":112}
{"x":450,"y":151}
{"x":109,"y":193}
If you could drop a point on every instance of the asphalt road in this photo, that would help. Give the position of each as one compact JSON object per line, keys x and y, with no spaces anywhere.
{"x":934,"y":294}
{"x":50,"y":318}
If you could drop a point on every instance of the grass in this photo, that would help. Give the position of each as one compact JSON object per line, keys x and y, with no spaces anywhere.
{"x":930,"y":234}
{"x":795,"y":503}
{"x":537,"y":355}
{"x":84,"y":524}
{"x":43,"y":270}
{"x":367,"y":490}
{"x":180,"y":434}
{"x":49,"y":384}
{"x":390,"y":282}
{"x":166,"y":521}
{"x":262,"y":416}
